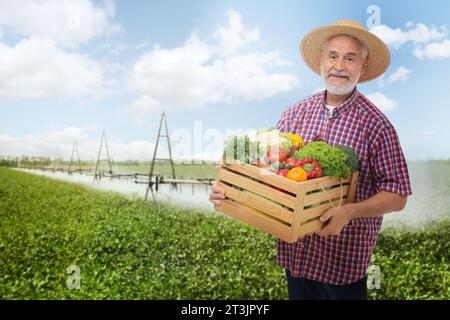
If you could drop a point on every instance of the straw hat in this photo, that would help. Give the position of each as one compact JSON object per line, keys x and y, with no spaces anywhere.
{"x":378,"y":58}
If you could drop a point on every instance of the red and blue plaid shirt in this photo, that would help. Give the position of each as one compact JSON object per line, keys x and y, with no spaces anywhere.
{"x":359,"y":124}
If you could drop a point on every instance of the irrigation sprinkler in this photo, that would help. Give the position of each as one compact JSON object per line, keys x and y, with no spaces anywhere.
{"x":98,"y":173}
{"x":166,"y":135}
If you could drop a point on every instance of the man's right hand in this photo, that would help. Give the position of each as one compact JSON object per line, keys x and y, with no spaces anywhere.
{"x":217,"y":195}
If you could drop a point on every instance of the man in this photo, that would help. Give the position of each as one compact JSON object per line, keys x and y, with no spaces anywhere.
{"x":333,"y":264}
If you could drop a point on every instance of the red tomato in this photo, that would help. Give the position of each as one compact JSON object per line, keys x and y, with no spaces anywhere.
{"x":275,"y":154}
{"x":283,"y":172}
{"x":290,"y":162}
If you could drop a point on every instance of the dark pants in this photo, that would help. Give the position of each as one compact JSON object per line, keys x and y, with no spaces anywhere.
{"x":304,"y":289}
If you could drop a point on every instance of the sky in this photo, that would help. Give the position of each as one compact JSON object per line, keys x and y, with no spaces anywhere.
{"x":70,"y":70}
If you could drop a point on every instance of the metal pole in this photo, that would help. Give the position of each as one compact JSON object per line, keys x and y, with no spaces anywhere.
{"x":96,"y":174}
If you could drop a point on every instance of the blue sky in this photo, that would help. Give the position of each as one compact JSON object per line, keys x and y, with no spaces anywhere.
{"x":74,"y":69}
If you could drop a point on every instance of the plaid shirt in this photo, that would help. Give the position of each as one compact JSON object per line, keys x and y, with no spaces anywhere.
{"x":359,"y":124}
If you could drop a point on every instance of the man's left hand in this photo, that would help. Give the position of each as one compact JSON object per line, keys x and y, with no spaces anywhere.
{"x":337,"y":219}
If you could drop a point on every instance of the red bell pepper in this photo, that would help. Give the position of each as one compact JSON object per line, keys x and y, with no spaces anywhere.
{"x":311,"y":167}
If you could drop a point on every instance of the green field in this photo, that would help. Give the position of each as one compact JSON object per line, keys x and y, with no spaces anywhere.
{"x":129,"y":249}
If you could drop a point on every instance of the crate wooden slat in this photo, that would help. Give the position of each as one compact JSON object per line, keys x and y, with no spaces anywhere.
{"x":294,"y":208}
{"x":255,"y":218}
{"x":264,"y":176}
{"x":255,"y":202}
{"x":315,"y":212}
{"x":334,"y":193}
{"x":257,"y":187}
{"x":324,"y":182}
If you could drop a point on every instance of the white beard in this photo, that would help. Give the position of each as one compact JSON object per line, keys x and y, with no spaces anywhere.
{"x":338,"y":89}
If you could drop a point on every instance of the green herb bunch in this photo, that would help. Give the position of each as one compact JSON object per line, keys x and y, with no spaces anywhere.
{"x":242,"y":149}
{"x":332,"y":161}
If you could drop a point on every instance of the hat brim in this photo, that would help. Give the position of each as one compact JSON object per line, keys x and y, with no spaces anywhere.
{"x":378,"y":58}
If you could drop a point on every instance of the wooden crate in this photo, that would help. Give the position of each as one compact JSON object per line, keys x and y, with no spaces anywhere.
{"x":298,"y":204}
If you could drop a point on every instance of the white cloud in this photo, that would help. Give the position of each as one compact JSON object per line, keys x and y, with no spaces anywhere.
{"x":234,"y":37}
{"x":38,"y":68}
{"x":382,"y":102}
{"x":435,"y":50}
{"x":137,"y":110}
{"x":417,"y":34}
{"x":116,"y":48}
{"x":394,"y":37}
{"x":67,"y":22}
{"x":409,"y":24}
{"x":200,"y":72}
{"x":424,"y":34}
{"x":134,"y":150}
{"x":40,"y":65}
{"x":49,"y":142}
{"x":401,"y":74}
{"x":428,"y":42}
{"x":59,"y":142}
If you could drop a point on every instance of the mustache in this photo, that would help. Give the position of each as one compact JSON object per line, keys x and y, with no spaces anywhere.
{"x":339,"y":74}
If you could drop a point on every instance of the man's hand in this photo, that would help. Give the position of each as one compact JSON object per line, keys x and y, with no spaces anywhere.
{"x":337,"y":219}
{"x":217,"y":195}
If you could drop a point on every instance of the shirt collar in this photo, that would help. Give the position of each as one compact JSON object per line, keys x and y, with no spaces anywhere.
{"x":344,"y":106}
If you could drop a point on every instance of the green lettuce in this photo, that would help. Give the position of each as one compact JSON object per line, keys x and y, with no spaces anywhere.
{"x":332,"y":160}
